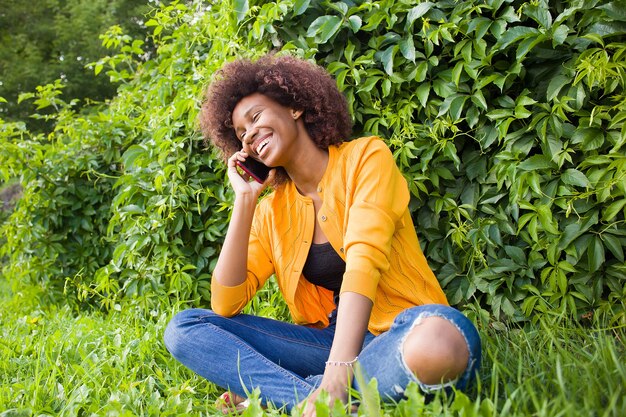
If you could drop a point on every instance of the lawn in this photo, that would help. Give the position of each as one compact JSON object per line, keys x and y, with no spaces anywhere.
{"x":55,"y":362}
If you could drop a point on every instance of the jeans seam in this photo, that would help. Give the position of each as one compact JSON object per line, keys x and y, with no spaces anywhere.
{"x":291,"y":339}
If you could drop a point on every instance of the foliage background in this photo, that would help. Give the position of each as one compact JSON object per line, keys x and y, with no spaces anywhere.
{"x":57,"y":39}
{"x":507,"y":118}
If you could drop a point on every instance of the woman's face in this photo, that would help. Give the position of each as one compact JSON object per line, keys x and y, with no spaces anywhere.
{"x":266,"y":129}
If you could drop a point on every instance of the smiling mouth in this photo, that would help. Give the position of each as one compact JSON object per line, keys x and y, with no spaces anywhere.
{"x":259,"y":148}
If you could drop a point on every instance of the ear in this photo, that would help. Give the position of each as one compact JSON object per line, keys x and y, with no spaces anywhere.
{"x":296,"y":114}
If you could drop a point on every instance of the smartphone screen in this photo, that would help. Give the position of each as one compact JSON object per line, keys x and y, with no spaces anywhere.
{"x":255,"y":169}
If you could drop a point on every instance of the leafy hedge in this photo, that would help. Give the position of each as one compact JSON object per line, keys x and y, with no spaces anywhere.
{"x":506,"y":117}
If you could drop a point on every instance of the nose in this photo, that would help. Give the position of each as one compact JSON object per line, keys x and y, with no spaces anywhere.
{"x":250,"y":135}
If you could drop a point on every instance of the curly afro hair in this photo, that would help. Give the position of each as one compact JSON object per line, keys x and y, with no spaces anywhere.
{"x":289,"y":81}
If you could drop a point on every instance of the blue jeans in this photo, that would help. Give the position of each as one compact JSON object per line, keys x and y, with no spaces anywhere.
{"x":286,"y":361}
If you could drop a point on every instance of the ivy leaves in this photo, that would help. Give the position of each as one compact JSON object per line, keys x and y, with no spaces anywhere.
{"x":508,"y":123}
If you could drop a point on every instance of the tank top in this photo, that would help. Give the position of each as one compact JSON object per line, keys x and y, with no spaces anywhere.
{"x":324,"y":267}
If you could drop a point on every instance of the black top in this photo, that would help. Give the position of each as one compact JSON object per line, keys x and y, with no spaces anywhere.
{"x":324,"y":267}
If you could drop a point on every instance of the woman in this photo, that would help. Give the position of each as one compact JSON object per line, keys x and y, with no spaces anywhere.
{"x":337,"y":233}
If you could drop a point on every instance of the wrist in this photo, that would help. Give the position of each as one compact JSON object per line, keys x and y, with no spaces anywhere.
{"x":338,"y":375}
{"x":245,"y":199}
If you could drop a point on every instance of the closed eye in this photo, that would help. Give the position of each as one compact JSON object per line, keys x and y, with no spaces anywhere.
{"x":255,"y":117}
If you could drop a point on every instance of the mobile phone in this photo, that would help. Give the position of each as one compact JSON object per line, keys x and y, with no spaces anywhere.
{"x":255,"y":169}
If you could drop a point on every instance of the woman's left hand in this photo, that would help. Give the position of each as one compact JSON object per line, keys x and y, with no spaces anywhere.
{"x":352,"y":316}
{"x":335,"y":382}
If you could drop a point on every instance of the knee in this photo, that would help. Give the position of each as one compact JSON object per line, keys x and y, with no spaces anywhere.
{"x":178,"y":330}
{"x":436,"y":351}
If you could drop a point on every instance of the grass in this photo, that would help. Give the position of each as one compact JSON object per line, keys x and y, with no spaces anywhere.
{"x":57,"y":363}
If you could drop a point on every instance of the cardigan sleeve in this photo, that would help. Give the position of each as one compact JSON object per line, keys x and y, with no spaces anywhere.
{"x":229,"y":301}
{"x":379,"y":197}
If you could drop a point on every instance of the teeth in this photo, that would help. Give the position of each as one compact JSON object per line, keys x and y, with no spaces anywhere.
{"x":261,"y":145}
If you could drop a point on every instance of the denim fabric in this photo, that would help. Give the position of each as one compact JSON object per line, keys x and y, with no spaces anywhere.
{"x":382,"y":358}
{"x":286,"y":361}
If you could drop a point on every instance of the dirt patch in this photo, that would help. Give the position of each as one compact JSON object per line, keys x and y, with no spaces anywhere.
{"x":9,"y":196}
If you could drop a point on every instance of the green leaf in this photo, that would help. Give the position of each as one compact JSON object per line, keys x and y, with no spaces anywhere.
{"x":514,"y":34}
{"x":527,"y":45}
{"x":589,"y":137}
{"x":369,"y":83}
{"x":479,"y":99}
{"x":537,"y":162}
{"x":132,"y":209}
{"x":480,"y":25}
{"x":300,"y":6}
{"x":472,"y":115}
{"x":556,"y":84}
{"x":407,"y":48}
{"x":339,"y":6}
{"x":575,"y":177}
{"x":575,"y":230}
{"x":323,"y":28}
{"x":516,"y":254}
{"x":614,"y":245}
{"x":355,"y":23}
{"x":487,"y":136}
{"x":559,"y":35}
{"x":499,"y":114}
{"x":131,"y":154}
{"x":522,"y":113}
{"x":613,"y":209}
{"x":417,"y":12}
{"x":566,"y":266}
{"x":595,"y":254}
{"x":615,"y":10}
{"x":387,"y":58}
{"x":545,"y":218}
{"x":24,"y":96}
{"x":335,"y":66}
{"x":422,"y":93}
{"x":386,"y":87}
{"x":539,"y":13}
{"x":422,"y":72}
{"x":241,"y":9}
{"x":456,"y":107}
{"x":456,"y":73}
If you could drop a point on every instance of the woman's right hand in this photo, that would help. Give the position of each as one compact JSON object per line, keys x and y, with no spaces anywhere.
{"x":231,"y":267}
{"x":241,"y":182}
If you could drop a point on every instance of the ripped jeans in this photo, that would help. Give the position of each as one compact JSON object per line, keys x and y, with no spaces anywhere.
{"x":286,"y":361}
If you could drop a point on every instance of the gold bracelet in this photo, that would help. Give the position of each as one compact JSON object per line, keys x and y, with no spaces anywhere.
{"x":340,"y":363}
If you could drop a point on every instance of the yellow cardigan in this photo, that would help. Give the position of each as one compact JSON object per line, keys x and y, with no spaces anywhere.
{"x":366,"y":219}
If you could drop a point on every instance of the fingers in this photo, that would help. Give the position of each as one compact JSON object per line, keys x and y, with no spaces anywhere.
{"x":233,"y":171}
{"x":237,"y":156}
{"x":308,"y":405}
{"x":309,"y":409}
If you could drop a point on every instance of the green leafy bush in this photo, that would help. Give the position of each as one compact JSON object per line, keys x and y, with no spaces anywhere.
{"x":506,"y":117}
{"x":508,"y":121}
{"x":159,"y":201}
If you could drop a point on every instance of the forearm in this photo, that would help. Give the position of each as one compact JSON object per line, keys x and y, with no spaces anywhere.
{"x":352,"y":319}
{"x":353,"y":315}
{"x":230,"y":269}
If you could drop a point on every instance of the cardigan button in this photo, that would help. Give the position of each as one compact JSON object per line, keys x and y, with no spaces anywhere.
{"x":319,"y":189}
{"x":323,"y":218}
{"x":341,"y":250}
